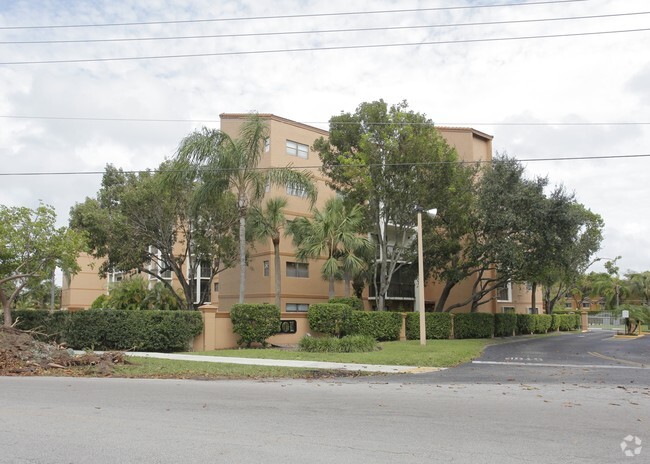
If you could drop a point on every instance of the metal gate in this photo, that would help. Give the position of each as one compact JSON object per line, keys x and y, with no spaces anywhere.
{"x":605,"y":320}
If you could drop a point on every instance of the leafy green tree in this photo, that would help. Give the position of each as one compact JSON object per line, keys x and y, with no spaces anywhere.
{"x":269,"y":223}
{"x":31,"y":247}
{"x":222,"y":162}
{"x":333,"y":233}
{"x":638,"y":285}
{"x":576,"y":236}
{"x":484,"y":232}
{"x":148,"y":224}
{"x":382,"y":156}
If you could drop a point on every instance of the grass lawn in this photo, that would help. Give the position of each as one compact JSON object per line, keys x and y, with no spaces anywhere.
{"x":152,"y":368}
{"x":436,"y":353}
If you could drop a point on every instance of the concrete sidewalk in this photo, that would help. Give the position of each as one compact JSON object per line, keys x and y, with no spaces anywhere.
{"x":287,"y":363}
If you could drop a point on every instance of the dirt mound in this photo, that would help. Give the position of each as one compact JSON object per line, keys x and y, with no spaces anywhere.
{"x":21,"y":354}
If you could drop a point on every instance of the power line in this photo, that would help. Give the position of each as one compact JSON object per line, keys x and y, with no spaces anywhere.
{"x":337,"y":123}
{"x":314,"y":49}
{"x":307,"y":15}
{"x":523,"y":160}
{"x":321,"y":31}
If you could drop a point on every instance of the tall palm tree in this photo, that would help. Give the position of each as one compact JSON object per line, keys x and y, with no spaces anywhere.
{"x":222,"y":162}
{"x":335,"y":234}
{"x":268,"y":223}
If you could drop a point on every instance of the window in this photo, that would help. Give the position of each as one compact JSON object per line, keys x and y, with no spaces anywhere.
{"x":115,"y":277}
{"x":200,"y":284}
{"x":267,"y":268}
{"x":267,"y":145}
{"x":568,"y":305}
{"x":507,"y":309}
{"x":215,"y":287}
{"x":158,"y":266}
{"x":533,"y":311}
{"x":297,"y":149}
{"x":296,"y":191}
{"x":297,"y":270}
{"x":296,"y":307}
{"x":586,"y":304}
{"x":504,"y":293}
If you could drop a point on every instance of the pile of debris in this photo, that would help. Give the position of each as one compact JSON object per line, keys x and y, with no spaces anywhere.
{"x":22,"y":354}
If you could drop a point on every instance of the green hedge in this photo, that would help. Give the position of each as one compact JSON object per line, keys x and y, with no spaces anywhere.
{"x":438,"y":326}
{"x":339,"y":319}
{"x":526,"y":324}
{"x":352,"y":301}
{"x":330,"y":318}
{"x":162,"y":331}
{"x":47,"y":326}
{"x":565,"y":322}
{"x":505,"y":325}
{"x":542,"y":323}
{"x":347,"y":344}
{"x":380,"y":325}
{"x":254,"y":323}
{"x":473,"y":325}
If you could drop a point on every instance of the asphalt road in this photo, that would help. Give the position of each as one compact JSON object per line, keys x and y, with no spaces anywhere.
{"x":72,"y":420}
{"x":568,"y":398}
{"x":593,"y":358}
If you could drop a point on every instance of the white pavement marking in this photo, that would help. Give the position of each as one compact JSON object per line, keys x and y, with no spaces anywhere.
{"x":585,"y":366}
{"x":286,"y":363}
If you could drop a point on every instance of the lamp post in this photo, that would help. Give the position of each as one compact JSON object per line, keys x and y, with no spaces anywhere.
{"x":423,"y":330}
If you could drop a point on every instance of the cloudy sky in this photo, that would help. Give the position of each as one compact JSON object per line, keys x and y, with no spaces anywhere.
{"x":584,"y":92}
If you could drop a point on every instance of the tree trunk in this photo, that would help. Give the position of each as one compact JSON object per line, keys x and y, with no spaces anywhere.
{"x":346,"y":285}
{"x":7,"y":315}
{"x":533,"y":297}
{"x":331,"y":287}
{"x":242,"y":254}
{"x":440,"y":304}
{"x":277,"y":269}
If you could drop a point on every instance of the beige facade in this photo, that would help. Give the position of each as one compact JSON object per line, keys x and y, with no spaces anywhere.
{"x":290,"y":143}
{"x":80,"y":290}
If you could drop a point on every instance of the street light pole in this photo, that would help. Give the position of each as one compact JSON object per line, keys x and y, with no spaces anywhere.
{"x":423,"y":329}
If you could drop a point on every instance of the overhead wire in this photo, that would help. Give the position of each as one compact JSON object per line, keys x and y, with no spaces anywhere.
{"x":309,"y":167}
{"x":320,"y":31}
{"x":293,"y":16}
{"x":326,"y":48}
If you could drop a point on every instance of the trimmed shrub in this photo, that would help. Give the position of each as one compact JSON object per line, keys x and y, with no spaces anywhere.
{"x":555,"y":321}
{"x":162,"y":331}
{"x":542,"y":323}
{"x":47,"y":326}
{"x":380,"y":325}
{"x":352,"y":301}
{"x":473,"y":325}
{"x":330,"y":318}
{"x":525,"y":324}
{"x":347,"y":344}
{"x":254,"y":323}
{"x":438,"y":326}
{"x":505,"y":325}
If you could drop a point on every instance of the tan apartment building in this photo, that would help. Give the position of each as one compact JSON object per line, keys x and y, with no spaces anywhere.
{"x":290,"y":142}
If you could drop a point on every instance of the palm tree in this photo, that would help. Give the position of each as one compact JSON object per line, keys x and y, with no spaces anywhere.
{"x":225,"y":163}
{"x":638,"y":284}
{"x":268,"y":223}
{"x":334,"y":233}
